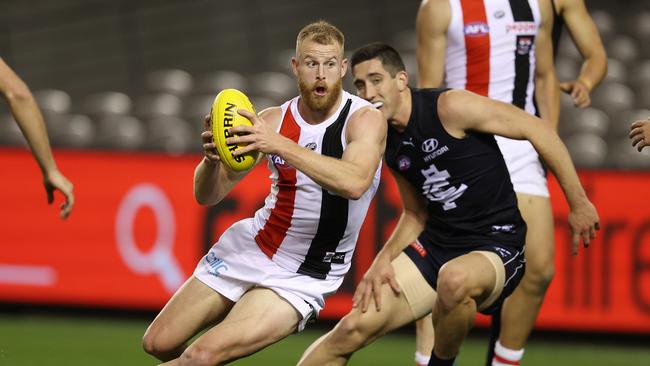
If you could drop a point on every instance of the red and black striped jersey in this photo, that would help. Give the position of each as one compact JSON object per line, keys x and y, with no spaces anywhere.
{"x":491,"y":49}
{"x":303,"y":227}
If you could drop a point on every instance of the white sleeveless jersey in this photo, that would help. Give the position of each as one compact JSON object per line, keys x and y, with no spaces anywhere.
{"x":491,"y":49}
{"x":303,"y":227}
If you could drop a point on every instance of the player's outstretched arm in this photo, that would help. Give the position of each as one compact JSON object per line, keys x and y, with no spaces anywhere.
{"x":431,"y":25}
{"x":349,"y":176}
{"x":30,"y":120}
{"x":212,"y":180}
{"x":585,"y":36}
{"x":497,"y":118}
{"x":410,"y":225}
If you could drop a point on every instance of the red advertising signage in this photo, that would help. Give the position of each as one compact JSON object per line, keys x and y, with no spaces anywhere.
{"x":136,"y":234}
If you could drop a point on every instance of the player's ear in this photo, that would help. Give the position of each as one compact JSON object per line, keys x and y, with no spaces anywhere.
{"x":402,"y":80}
{"x":294,"y":66}
{"x":344,"y":67}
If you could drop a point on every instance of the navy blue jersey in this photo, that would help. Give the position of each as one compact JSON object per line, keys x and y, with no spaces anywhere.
{"x":465,"y":182}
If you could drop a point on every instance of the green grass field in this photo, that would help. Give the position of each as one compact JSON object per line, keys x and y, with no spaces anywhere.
{"x":27,"y":340}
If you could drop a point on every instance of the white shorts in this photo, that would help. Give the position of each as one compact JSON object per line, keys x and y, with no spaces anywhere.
{"x":526,"y":171}
{"x":235,"y":264}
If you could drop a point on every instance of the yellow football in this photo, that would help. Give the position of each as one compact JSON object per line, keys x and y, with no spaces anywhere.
{"x":224,"y":116}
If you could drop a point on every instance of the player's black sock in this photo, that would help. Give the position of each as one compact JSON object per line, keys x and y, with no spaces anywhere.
{"x":435,"y":361}
{"x":495,"y":329}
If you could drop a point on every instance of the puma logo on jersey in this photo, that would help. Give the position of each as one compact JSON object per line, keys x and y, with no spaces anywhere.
{"x":409,"y":142}
{"x":436,"y":188}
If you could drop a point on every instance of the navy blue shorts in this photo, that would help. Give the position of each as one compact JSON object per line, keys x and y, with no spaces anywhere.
{"x":429,"y":258}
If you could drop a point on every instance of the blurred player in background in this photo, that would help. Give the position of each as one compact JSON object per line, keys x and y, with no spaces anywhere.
{"x":267,"y":276}
{"x":584,"y":33}
{"x":501,"y":49}
{"x":30,"y":120}
{"x":640,"y":134}
{"x":458,"y":245}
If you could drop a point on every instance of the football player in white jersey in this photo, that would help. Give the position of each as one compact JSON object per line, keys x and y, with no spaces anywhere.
{"x":268,"y":275}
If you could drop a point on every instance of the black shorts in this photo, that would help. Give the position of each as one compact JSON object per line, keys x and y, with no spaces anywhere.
{"x":429,"y":258}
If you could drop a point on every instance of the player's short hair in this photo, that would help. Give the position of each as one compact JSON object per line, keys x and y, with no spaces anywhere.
{"x":389,"y":57}
{"x":321,"y":32}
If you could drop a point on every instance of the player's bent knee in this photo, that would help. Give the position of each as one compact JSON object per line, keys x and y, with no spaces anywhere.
{"x":452,"y":285}
{"x":154,"y":344}
{"x":539,"y":276}
{"x":353,"y":332}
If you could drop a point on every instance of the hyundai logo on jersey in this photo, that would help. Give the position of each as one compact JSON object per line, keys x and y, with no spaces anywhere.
{"x":429,"y":145}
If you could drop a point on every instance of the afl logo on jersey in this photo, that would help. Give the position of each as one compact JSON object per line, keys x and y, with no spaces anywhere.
{"x":429,"y":145}
{"x":476,"y":29}
{"x":311,"y":146}
{"x":403,"y":163}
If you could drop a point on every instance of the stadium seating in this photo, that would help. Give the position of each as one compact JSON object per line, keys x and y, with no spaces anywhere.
{"x":10,"y":133}
{"x":171,"y":135}
{"x":120,"y":132}
{"x":151,"y":87}
{"x":71,"y":130}
{"x":172,"y":81}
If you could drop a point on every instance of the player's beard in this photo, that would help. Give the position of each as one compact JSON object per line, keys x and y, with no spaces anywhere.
{"x":320,"y":103}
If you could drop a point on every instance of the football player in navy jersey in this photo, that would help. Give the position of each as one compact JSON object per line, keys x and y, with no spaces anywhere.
{"x":504,"y":50}
{"x":458,"y":245}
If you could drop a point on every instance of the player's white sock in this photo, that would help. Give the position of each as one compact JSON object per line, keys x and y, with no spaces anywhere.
{"x":420,"y":359}
{"x":506,"y":357}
